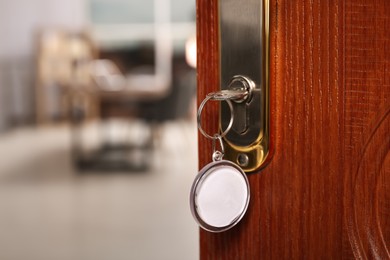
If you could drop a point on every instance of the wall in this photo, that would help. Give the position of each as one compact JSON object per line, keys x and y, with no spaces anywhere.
{"x":19,"y":20}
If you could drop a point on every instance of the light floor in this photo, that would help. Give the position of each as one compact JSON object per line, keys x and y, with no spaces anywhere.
{"x":49,"y":211}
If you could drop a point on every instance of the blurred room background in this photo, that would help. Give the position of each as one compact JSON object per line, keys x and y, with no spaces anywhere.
{"x":98,"y":143}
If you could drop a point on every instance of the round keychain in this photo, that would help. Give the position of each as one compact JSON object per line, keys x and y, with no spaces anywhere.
{"x":220,"y":193}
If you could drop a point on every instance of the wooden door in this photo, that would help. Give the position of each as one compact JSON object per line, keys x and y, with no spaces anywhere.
{"x":326,"y":192}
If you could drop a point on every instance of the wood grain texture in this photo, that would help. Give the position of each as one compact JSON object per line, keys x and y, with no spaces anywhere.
{"x":207,"y":69}
{"x":367,"y":127}
{"x":325,"y":193}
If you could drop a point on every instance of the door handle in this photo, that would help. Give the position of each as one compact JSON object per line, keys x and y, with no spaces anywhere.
{"x":244,"y":64}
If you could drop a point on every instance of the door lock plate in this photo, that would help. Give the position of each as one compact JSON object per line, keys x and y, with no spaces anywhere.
{"x":244,"y":64}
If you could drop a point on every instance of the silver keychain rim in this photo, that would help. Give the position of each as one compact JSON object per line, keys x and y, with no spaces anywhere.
{"x":199,"y":180}
{"x":218,"y":97}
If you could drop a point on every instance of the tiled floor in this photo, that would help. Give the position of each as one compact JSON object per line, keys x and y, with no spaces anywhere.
{"x":49,"y":211}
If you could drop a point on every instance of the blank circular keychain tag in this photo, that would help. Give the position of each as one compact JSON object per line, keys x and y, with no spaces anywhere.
{"x":219,"y":196}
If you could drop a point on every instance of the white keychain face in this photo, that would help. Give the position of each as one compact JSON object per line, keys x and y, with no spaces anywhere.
{"x":219,"y":196}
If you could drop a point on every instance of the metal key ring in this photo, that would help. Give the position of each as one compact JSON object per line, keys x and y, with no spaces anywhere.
{"x":215,"y":96}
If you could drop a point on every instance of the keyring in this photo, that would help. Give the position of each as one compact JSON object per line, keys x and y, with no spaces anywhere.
{"x":215,"y":96}
{"x":220,"y":193}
